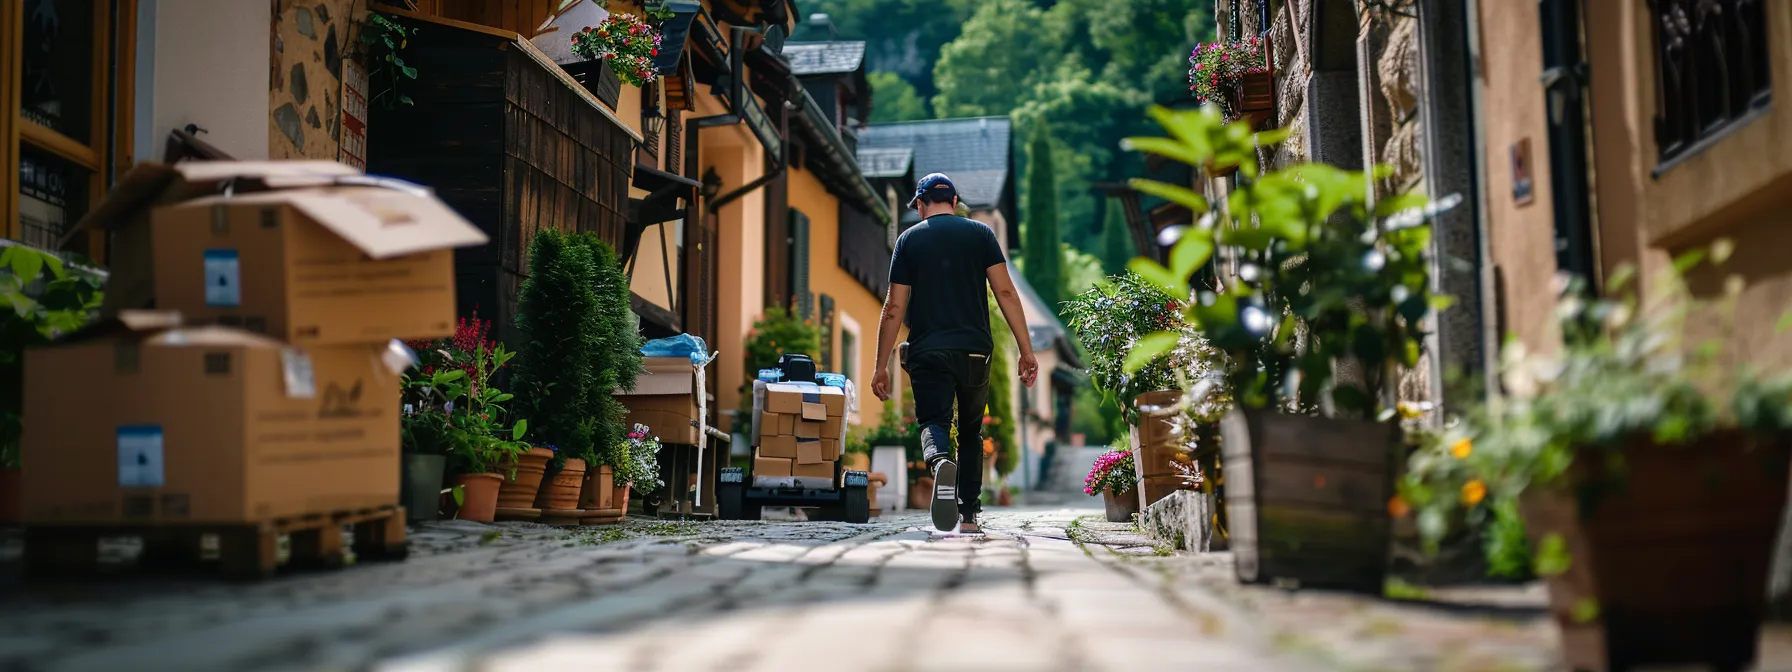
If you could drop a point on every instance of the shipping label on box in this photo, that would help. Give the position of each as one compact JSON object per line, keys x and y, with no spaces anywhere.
{"x":771,"y":466}
{"x":809,"y":452}
{"x":140,"y":456}
{"x":778,"y":446}
{"x":818,"y":470}
{"x":808,"y":430}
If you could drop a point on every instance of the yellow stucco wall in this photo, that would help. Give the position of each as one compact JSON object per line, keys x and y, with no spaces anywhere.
{"x":1520,"y":235}
{"x":737,"y":158}
{"x":1740,"y":187}
{"x":854,"y":306}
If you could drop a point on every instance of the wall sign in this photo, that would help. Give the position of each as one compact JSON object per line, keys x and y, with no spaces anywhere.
{"x":354,"y":116}
{"x":1521,"y":172}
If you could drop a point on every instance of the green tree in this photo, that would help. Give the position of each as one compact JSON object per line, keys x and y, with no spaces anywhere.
{"x":1116,"y":242}
{"x":556,"y":370}
{"x":1044,"y":267}
{"x":1081,"y":271}
{"x":901,"y":36}
{"x":1001,"y":396}
{"x":618,"y":363}
{"x":894,"y":99}
{"x":1001,"y":53}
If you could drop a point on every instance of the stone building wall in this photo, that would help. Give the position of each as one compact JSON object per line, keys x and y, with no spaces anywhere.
{"x":309,"y":41}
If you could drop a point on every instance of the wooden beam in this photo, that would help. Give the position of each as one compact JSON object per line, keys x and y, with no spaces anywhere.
{"x":60,"y":145}
{"x":11,"y":48}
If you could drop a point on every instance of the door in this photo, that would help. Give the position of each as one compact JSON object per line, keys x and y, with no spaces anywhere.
{"x":1565,"y":93}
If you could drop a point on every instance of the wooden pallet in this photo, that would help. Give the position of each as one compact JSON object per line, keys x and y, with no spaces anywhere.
{"x":244,"y":551}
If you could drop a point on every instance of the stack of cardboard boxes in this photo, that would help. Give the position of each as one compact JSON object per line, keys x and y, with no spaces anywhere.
{"x":801,"y":426}
{"x":264,"y":384}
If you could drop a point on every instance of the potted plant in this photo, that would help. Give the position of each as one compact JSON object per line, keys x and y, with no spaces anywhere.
{"x":1324,"y":281}
{"x":479,"y":443}
{"x":1650,"y":474}
{"x":614,"y":365}
{"x":424,"y":438}
{"x":555,"y":377}
{"x":619,"y":50}
{"x":46,"y":299}
{"x":1108,"y":319}
{"x":640,"y":474}
{"x":1237,"y":76}
{"x":1113,"y":478}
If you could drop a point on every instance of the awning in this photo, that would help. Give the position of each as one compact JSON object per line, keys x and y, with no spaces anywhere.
{"x":665,"y":201}
{"x":673,"y":32}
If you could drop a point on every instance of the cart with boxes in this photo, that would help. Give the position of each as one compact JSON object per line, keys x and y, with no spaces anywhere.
{"x":259,"y":399}
{"x":799,"y":425}
{"x":671,"y":400}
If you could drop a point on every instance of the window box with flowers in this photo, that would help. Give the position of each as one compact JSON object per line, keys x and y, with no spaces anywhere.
{"x":619,"y":50}
{"x":1236,"y":75}
{"x":1647,"y":476}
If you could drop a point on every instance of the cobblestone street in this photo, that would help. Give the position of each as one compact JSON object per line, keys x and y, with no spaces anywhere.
{"x":1045,"y":590}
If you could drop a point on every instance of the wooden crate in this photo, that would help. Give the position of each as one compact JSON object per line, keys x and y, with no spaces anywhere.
{"x":245,"y":551}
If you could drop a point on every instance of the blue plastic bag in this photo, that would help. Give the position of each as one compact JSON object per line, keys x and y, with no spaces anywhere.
{"x":682,"y":345}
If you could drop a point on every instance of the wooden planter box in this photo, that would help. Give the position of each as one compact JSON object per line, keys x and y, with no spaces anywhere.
{"x":598,"y":78}
{"x":1153,"y":449}
{"x":1306,"y":498}
{"x":1672,"y":568}
{"x":1253,"y":98}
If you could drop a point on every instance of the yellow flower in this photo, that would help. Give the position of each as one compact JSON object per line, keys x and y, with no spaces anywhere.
{"x":1397,"y":507}
{"x":1473,"y":492}
{"x":1461,"y":448}
{"x":1409,"y":411}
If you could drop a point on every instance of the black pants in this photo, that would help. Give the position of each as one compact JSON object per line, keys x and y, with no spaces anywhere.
{"x":941,"y":378}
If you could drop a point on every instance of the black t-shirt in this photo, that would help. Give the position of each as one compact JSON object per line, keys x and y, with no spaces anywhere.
{"x":946,"y":259}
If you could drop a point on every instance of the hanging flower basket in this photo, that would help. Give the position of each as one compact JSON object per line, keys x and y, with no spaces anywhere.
{"x":1235,"y":75}
{"x":626,"y":43}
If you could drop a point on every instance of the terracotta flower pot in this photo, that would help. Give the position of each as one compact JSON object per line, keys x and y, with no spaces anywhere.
{"x":599,"y":491}
{"x":12,"y":493}
{"x":523,"y":478}
{"x":1671,"y":568}
{"x":622,"y":498}
{"x":1121,"y":507}
{"x":479,"y":496}
{"x":920,"y":495}
{"x":561,"y":492}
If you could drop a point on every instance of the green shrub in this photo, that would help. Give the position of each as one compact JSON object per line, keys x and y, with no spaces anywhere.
{"x":776,"y":333}
{"x":558,"y":316}
{"x":618,"y":361}
{"x":1001,"y":395}
{"x":67,"y":300}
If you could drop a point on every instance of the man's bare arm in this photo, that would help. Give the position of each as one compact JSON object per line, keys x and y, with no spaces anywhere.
{"x":1008,"y":299}
{"x":895,"y":307}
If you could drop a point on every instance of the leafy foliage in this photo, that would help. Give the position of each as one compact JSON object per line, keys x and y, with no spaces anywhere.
{"x":618,"y":363}
{"x":563,"y":332}
{"x":385,"y":40}
{"x":1120,"y":314}
{"x":44,"y":299}
{"x":896,"y":98}
{"x":1117,"y":247}
{"x":1313,"y":258}
{"x":642,"y":469}
{"x":1624,"y":375}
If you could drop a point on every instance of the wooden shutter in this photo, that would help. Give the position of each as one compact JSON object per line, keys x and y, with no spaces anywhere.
{"x":799,"y":265}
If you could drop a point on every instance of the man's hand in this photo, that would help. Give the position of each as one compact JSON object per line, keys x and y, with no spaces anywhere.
{"x":880,"y":384}
{"x":1029,"y":369}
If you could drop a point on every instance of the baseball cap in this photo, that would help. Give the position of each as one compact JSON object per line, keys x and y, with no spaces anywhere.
{"x":936,"y":187}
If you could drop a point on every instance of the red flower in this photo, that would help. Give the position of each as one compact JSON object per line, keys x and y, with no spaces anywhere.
{"x":656,"y":52}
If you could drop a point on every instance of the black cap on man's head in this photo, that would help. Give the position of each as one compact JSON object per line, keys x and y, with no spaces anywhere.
{"x":935,"y":188}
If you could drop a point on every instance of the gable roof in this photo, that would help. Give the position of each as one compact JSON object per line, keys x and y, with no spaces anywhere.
{"x":885,"y":161}
{"x":974,"y":152}
{"x":823,"y":58}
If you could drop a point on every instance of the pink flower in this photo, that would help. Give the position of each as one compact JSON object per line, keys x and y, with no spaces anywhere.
{"x":1223,"y":58}
{"x":1200,"y":66}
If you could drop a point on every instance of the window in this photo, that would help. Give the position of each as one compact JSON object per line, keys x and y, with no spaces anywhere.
{"x":849,"y":354}
{"x":54,"y":136}
{"x":1711,"y":68}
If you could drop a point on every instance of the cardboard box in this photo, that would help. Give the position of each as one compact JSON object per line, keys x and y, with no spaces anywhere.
{"x":830,"y":449}
{"x":790,"y":397}
{"x":824,"y":470}
{"x":124,"y":214}
{"x":205,"y":425}
{"x":834,"y":427}
{"x":664,"y":399}
{"x":314,"y":266}
{"x":814,"y":412}
{"x":778,"y":446}
{"x":777,"y":424}
{"x":809,"y":452}
{"x":772,"y":466}
{"x":669,"y":426}
{"x":808,"y":430}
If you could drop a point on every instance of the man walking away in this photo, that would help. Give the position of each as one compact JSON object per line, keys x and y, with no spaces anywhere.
{"x":944,"y":263}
